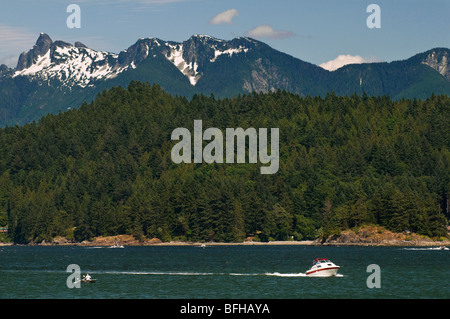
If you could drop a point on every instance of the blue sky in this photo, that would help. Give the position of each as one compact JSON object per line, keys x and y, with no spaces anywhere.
{"x":315,"y":31}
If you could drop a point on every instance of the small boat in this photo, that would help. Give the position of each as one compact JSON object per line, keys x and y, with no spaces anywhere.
{"x":87,"y":281}
{"x":116,"y":245}
{"x":322,"y":267}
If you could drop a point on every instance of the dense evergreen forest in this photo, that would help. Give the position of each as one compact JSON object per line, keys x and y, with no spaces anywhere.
{"x":106,"y":169}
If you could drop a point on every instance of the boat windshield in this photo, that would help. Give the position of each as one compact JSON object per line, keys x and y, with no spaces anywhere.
{"x":320,"y":260}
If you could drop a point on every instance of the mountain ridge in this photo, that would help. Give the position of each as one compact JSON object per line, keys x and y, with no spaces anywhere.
{"x":55,"y":76}
{"x":46,"y":53}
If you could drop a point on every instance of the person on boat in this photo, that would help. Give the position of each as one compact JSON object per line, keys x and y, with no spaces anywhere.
{"x":87,"y":277}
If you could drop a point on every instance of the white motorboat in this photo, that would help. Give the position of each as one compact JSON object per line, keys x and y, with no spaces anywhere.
{"x":322,"y":267}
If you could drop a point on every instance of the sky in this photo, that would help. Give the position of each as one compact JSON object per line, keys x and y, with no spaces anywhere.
{"x":329,"y":33}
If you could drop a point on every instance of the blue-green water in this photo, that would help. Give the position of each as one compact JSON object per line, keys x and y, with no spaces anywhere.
{"x":236,"y":272}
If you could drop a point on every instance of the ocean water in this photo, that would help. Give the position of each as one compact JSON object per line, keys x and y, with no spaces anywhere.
{"x":222,"y":272}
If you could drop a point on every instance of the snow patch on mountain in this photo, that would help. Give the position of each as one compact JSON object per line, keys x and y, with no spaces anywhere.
{"x":230,"y":52}
{"x":41,"y":63}
{"x":188,"y":69}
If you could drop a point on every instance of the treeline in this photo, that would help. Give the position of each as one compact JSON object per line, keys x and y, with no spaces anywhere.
{"x":106,"y":169}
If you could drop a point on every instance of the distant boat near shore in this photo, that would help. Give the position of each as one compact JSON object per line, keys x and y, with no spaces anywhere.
{"x":116,"y":245}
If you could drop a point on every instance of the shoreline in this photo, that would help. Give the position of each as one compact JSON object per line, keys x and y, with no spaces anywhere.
{"x":389,"y":243}
{"x":363,"y":236}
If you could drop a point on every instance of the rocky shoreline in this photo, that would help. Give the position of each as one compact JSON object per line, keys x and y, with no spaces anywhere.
{"x":379,"y":236}
{"x":362,"y":236}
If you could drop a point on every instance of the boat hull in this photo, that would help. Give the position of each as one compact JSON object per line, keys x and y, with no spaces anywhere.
{"x":323,"y":272}
{"x":90,"y":281}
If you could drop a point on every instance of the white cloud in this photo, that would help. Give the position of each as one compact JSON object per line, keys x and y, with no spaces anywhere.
{"x":266,"y":31}
{"x":224,"y":17}
{"x":345,"y":59}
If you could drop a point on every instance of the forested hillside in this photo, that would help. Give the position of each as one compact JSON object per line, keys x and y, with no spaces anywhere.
{"x":106,"y":169}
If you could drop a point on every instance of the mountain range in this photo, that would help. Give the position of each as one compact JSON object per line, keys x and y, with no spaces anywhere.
{"x":56,"y":76}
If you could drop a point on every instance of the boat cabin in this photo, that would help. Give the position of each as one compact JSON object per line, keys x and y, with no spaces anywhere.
{"x":321,"y":262}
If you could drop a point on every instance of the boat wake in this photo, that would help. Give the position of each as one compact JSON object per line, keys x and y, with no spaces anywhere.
{"x":163,"y":273}
{"x":277,"y":274}
{"x":427,"y":248}
{"x":181,"y":273}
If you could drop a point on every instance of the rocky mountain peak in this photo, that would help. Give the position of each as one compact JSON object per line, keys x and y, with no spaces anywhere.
{"x":78,"y":44}
{"x":42,"y":46}
{"x":5,"y":71}
{"x":439,"y":59}
{"x":43,"y":43}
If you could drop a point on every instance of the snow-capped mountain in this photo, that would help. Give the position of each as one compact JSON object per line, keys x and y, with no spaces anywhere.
{"x":56,"y":76}
{"x":70,"y":64}
{"x":191,"y":56}
{"x":77,"y":65}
